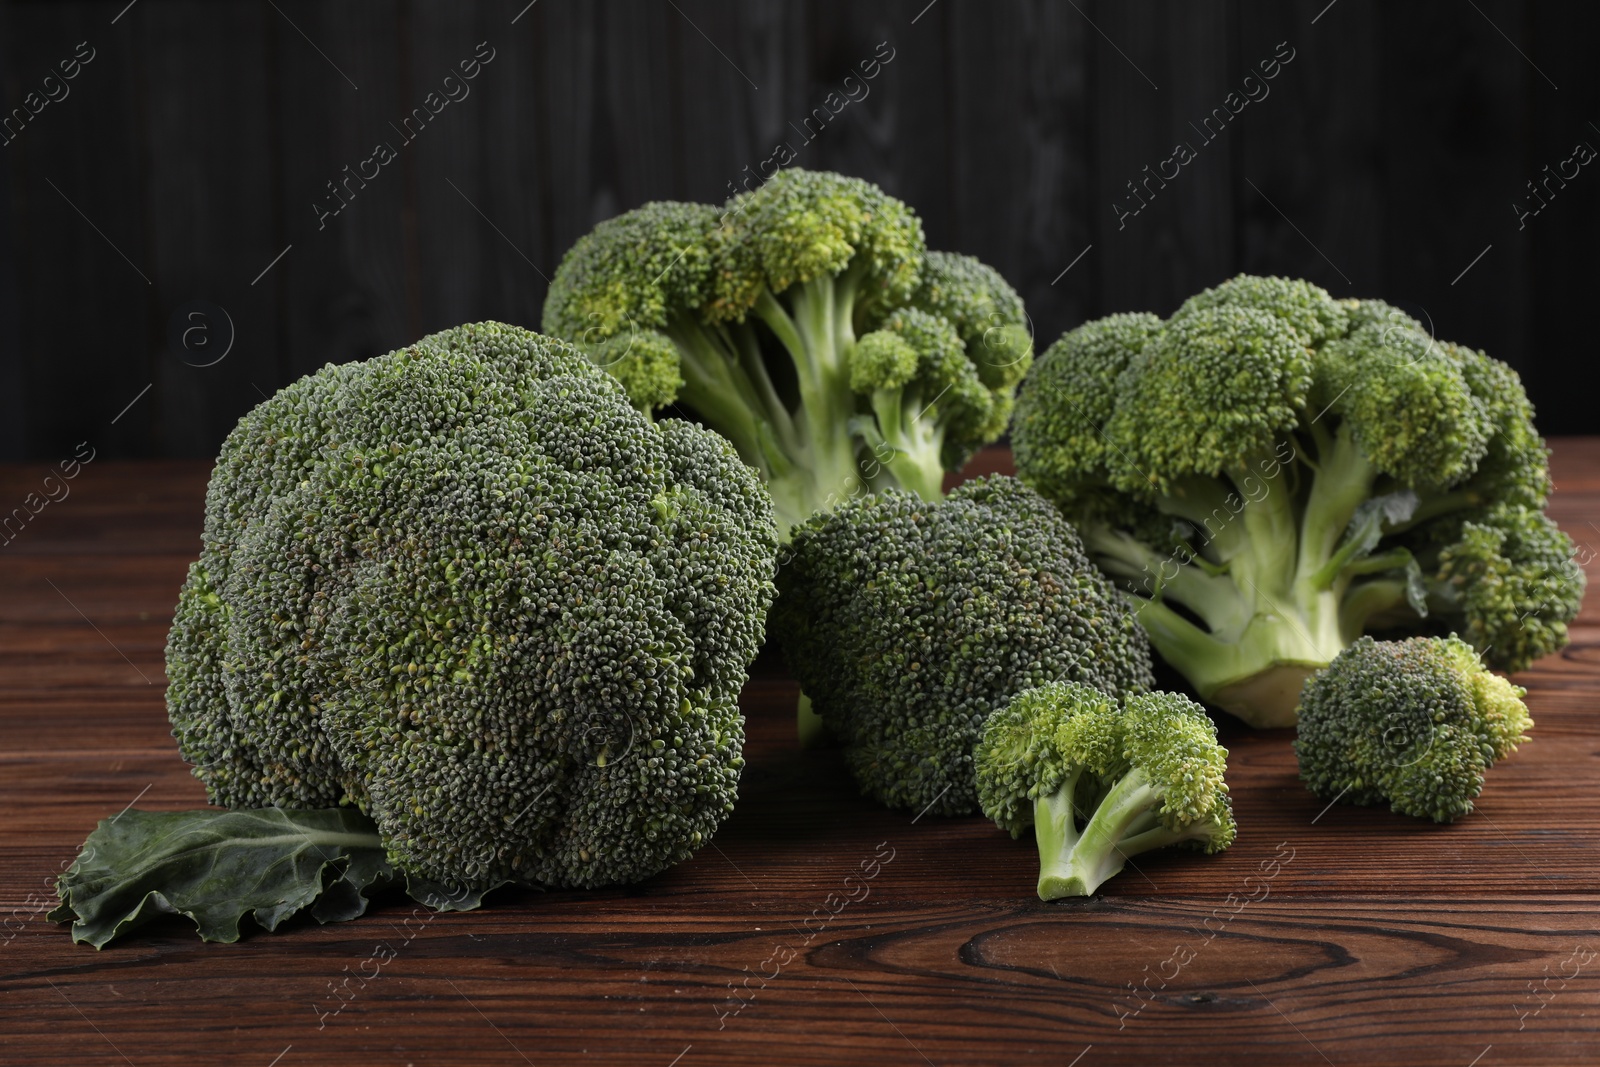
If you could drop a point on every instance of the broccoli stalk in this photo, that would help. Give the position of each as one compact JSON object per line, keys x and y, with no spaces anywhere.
{"x":1100,"y":784}
{"x":726,"y":381}
{"x":808,"y":324}
{"x":1275,"y":592}
{"x":1271,"y":473}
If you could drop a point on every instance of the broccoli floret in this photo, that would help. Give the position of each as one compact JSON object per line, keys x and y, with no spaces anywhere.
{"x":1100,"y":783}
{"x":907,"y":623}
{"x":807,"y":323}
{"x":1272,"y":472}
{"x":469,"y":589}
{"x":1412,"y":723}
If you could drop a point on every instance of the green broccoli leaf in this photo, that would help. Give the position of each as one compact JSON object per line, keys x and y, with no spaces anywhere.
{"x":217,"y":866}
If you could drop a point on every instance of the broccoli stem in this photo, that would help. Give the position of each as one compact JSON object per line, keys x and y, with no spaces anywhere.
{"x":813,"y":732}
{"x":1366,"y":601}
{"x":1343,"y":480}
{"x":1431,"y":507}
{"x":716,"y":386}
{"x":1259,"y":605}
{"x":915,"y":443}
{"x":814,"y":322}
{"x":1100,"y":850}
{"x":813,"y":457}
{"x":1055,"y":829}
{"x":1273,"y":587}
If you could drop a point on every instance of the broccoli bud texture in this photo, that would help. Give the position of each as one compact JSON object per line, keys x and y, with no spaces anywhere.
{"x":908,"y":623}
{"x":1413,"y":723}
{"x":468,"y":589}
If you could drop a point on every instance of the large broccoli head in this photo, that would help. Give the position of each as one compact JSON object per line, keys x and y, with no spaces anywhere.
{"x":908,"y":623}
{"x":807,"y":322}
{"x":1413,"y":723}
{"x":469,"y":589}
{"x":1272,"y":472}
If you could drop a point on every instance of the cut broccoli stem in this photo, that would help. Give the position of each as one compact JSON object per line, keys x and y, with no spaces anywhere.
{"x":1262,"y":628}
{"x":1268,"y":582}
{"x":1055,"y":829}
{"x":1101,"y":849}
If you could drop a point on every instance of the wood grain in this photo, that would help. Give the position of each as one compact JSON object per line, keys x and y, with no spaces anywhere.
{"x":1371,"y":939}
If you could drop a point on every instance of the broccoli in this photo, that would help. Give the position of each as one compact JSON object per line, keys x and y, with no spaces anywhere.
{"x":807,"y":323}
{"x":1272,"y":473}
{"x":1100,"y":784}
{"x":907,"y":623}
{"x":1414,"y":723}
{"x":469,"y":590}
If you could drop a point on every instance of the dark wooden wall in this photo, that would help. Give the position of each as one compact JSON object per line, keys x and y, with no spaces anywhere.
{"x":191,"y":149}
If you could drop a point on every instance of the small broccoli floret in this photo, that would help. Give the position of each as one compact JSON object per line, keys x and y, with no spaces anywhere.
{"x":908,"y":623}
{"x":985,"y":311}
{"x":470,"y":590}
{"x":1272,"y":472}
{"x":1413,"y":723}
{"x":1101,"y":783}
{"x":769,"y":319}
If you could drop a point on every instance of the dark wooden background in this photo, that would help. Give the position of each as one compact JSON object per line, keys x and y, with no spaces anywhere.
{"x":189,"y":153}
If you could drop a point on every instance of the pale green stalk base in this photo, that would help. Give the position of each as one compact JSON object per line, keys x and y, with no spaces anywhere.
{"x":1075,"y":863}
{"x":1277,"y":583}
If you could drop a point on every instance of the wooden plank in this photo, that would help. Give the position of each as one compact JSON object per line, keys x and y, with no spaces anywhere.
{"x":513,"y":99}
{"x":1456,"y":94}
{"x":735,"y":68}
{"x":1552,"y":243}
{"x":350,"y":284}
{"x":87,"y":324}
{"x":208,"y":131}
{"x":1159,"y":68}
{"x":13,"y":414}
{"x":467,"y":257}
{"x":1307,"y":139}
{"x":899,"y":134}
{"x":1428,"y":981}
{"x":1022,"y":152}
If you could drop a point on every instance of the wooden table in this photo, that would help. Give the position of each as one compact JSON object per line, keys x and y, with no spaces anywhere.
{"x":1378,"y":939}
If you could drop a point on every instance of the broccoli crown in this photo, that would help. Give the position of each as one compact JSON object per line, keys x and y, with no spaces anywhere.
{"x":1100,"y":782}
{"x":908,"y":623}
{"x":1273,"y":472}
{"x":1412,"y":723}
{"x":766,"y":319}
{"x":471,"y":590}
{"x":803,"y":225}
